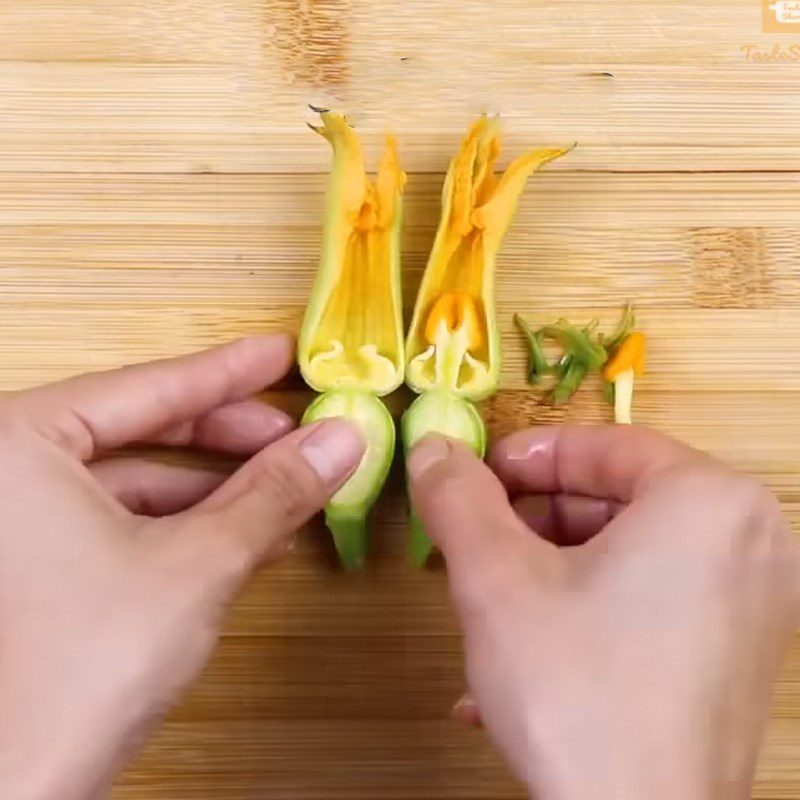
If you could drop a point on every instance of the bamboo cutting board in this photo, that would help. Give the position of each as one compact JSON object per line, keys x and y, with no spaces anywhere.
{"x":159,"y":193}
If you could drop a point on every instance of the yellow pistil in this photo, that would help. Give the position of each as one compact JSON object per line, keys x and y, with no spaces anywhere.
{"x":455,"y":310}
{"x":631,"y":354}
{"x":627,"y":363}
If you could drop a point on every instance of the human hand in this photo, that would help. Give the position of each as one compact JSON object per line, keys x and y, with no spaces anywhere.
{"x":115,"y":573}
{"x":637,"y":661}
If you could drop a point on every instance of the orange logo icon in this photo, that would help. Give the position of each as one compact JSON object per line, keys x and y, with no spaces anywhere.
{"x":780,"y":16}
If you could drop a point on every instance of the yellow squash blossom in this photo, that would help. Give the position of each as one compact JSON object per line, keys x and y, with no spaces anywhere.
{"x":351,"y":342}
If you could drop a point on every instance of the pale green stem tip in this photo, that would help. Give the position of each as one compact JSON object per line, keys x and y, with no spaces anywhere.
{"x":420,"y":546}
{"x":350,"y":537}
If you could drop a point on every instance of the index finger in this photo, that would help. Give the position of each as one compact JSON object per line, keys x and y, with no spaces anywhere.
{"x":106,"y":410}
{"x":608,"y":461}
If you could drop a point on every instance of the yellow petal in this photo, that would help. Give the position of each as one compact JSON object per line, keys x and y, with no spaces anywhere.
{"x":352,"y":330}
{"x":495,"y":215}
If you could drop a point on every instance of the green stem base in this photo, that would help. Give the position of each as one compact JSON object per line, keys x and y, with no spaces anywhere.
{"x":420,"y":546}
{"x":349,"y":535}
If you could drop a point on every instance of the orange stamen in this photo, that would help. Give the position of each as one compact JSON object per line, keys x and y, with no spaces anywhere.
{"x":458,"y":310}
{"x":631,"y":354}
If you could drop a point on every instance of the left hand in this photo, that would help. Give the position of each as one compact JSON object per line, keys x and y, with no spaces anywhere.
{"x":115,"y":572}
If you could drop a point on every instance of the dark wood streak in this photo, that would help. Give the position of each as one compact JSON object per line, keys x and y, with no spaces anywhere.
{"x":730,"y":268}
{"x":311,"y":40}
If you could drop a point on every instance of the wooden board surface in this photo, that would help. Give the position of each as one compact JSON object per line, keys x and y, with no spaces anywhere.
{"x":159,"y":193}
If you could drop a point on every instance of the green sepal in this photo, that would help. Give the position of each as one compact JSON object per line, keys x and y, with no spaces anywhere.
{"x":578,"y":342}
{"x":349,"y":531}
{"x":420,"y":546}
{"x":347,"y":511}
{"x":573,"y":376}
{"x":563,"y":366}
{"x":449,"y":415}
{"x":624,"y":328}
{"x":583,"y":352}
{"x":608,"y":391}
{"x":538,"y":366}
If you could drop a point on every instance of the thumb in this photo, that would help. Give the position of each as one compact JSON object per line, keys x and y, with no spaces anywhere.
{"x":259,"y":508}
{"x":465,"y":509}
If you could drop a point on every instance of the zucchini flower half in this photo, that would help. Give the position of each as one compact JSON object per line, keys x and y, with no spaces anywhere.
{"x":453,"y":348}
{"x":351,"y":342}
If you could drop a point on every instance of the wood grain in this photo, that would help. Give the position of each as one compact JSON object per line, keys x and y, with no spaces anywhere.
{"x":159,"y":193}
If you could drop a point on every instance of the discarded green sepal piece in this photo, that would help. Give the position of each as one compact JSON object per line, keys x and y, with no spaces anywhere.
{"x":577,"y":342}
{"x":570,"y":381}
{"x":538,"y":365}
{"x":624,"y":328}
{"x":584,"y":351}
{"x":582,"y":354}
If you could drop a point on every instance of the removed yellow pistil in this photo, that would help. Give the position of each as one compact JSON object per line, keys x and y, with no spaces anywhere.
{"x":627,"y":363}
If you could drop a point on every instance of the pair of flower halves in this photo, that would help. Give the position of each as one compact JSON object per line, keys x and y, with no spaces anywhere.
{"x":351,"y":346}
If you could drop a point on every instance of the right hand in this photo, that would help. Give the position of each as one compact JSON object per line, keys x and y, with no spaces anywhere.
{"x":637,"y":660}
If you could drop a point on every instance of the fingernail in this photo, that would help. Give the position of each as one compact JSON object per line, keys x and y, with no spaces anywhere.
{"x":466,"y":711}
{"x":333,"y":449}
{"x":277,"y":424}
{"x":522,"y":448}
{"x":536,"y":512}
{"x":428,"y":451}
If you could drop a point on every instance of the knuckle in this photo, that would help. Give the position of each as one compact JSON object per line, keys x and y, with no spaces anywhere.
{"x":757,"y":511}
{"x":450,"y":488}
{"x":6,"y":413}
{"x":9,"y":429}
{"x":233,"y":562}
{"x":459,"y":490}
{"x":791,"y":575}
{"x":201,"y":553}
{"x":439,"y":494}
{"x":21,"y":440}
{"x":287,"y":486}
{"x":759,"y":499}
{"x":734,"y":497}
{"x":138,"y":497}
{"x":748,"y":515}
{"x":488,"y":586}
{"x":696,"y":479}
{"x":171,"y":394}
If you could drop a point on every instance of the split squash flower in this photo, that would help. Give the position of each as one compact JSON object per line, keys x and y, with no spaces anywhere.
{"x":453,"y":345}
{"x":351,"y":342}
